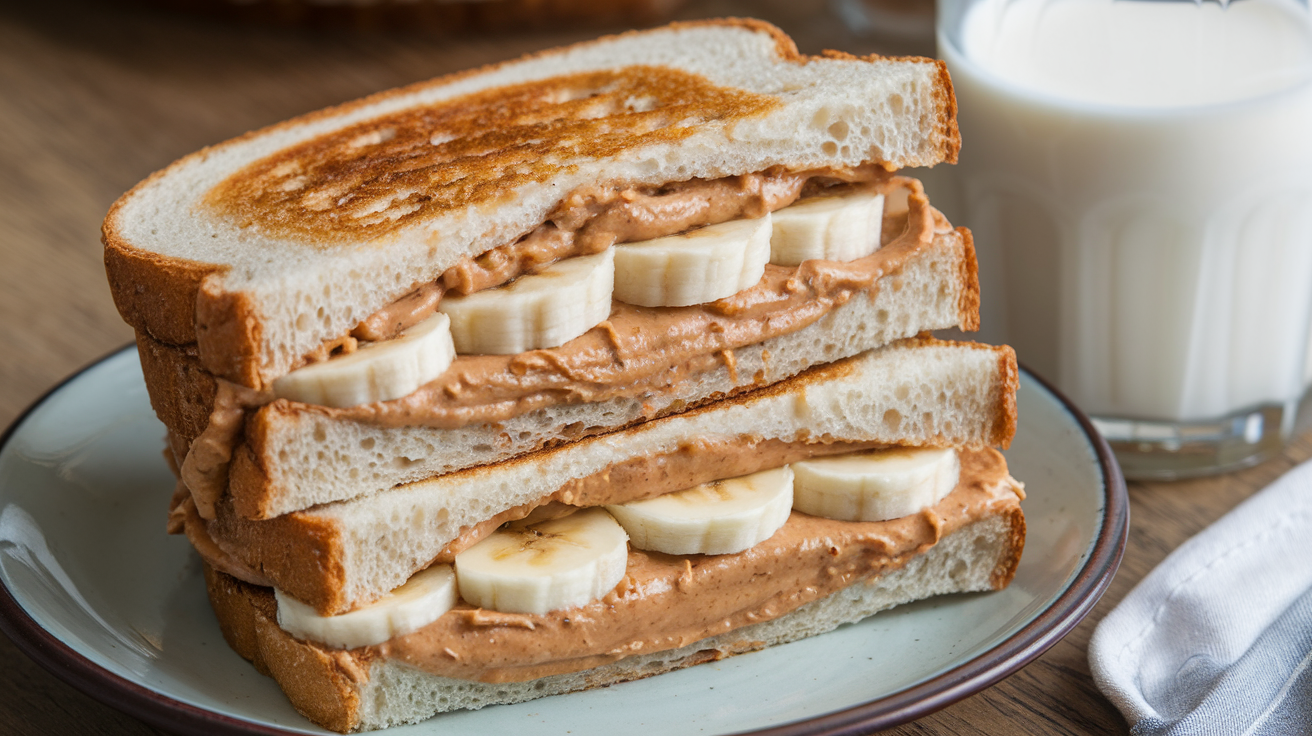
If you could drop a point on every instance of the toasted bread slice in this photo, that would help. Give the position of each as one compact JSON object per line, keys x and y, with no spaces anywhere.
{"x":262,"y":249}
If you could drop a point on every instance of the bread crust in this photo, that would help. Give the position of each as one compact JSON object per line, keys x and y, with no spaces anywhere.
{"x":322,"y":685}
{"x":181,"y":390}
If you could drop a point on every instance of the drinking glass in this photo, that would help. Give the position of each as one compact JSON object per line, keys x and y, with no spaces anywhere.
{"x":1138,"y":177}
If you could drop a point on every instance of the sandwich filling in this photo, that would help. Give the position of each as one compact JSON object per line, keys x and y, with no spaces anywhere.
{"x":669,"y":601}
{"x":638,"y":351}
{"x":592,"y":219}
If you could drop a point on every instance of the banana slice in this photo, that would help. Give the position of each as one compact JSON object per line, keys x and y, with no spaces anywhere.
{"x":876,"y":485}
{"x":379,"y":371}
{"x":695,"y":267}
{"x":535,"y":568}
{"x":425,"y":596}
{"x":716,"y":518}
{"x":541,"y":310}
{"x":834,"y":228}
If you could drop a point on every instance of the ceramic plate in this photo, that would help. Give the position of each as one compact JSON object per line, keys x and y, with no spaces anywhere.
{"x":95,"y":591}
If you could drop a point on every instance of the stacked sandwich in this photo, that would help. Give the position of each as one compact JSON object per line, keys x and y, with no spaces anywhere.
{"x":571,"y":370}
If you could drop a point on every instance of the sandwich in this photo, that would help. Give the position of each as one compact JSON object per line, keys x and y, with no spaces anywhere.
{"x":942,"y":516}
{"x":657,"y":266}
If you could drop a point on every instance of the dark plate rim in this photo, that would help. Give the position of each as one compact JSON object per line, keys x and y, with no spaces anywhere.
{"x":1022,"y":647}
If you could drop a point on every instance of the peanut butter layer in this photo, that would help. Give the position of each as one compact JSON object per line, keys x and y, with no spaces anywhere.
{"x":301,"y":552}
{"x":667,"y":601}
{"x":592,"y":219}
{"x":639,"y":478}
{"x":640,"y":350}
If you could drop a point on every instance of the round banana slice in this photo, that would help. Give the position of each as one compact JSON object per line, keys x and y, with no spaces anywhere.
{"x":875,"y":485}
{"x":721,"y":517}
{"x":834,"y":228}
{"x":420,"y":601}
{"x":379,"y":371}
{"x":541,"y":310}
{"x":695,"y":267}
{"x":535,"y":568}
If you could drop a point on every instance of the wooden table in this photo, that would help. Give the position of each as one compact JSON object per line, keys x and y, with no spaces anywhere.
{"x":95,"y":97}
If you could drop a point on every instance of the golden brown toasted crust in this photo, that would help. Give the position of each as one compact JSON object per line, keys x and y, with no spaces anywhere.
{"x":301,"y":551}
{"x":1009,"y":560}
{"x":181,"y":390}
{"x":250,"y":486}
{"x":947,"y":119}
{"x":153,"y":293}
{"x":500,"y":139}
{"x":321,"y":685}
{"x":1006,"y":420}
{"x":968,"y":306}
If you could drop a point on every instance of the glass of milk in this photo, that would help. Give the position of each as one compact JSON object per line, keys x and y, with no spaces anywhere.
{"x":1138,"y":176}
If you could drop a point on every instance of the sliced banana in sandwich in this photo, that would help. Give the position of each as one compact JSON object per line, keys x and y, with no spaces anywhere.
{"x":425,"y":596}
{"x":380,"y":371}
{"x":546,"y":566}
{"x":695,"y":267}
{"x":834,"y":228}
{"x":875,"y":485}
{"x":721,"y":517}
{"x":542,"y":310}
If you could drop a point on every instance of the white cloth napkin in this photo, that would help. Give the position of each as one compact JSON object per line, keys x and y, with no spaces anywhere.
{"x":1218,"y":639}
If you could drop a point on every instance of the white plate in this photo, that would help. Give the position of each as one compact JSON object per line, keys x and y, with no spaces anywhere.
{"x":94,"y":590}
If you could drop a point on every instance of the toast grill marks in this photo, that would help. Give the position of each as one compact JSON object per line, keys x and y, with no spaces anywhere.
{"x":369,"y":179}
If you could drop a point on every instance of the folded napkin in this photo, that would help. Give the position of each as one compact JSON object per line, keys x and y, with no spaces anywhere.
{"x":1218,"y":639}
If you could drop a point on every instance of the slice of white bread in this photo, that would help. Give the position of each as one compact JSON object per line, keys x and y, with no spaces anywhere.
{"x":344,"y":691}
{"x":262,"y":248}
{"x":294,"y":456}
{"x":915,"y":392}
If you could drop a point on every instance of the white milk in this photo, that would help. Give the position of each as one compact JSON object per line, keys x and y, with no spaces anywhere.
{"x":1139,"y":179}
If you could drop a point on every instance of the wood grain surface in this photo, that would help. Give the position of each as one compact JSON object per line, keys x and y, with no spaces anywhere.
{"x":95,"y":96}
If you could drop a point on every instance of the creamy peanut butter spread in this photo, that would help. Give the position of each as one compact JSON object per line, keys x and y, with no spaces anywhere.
{"x":592,"y":219}
{"x":668,"y":601}
{"x":205,"y":469}
{"x":640,"y":349}
{"x":647,"y":476}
